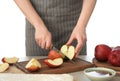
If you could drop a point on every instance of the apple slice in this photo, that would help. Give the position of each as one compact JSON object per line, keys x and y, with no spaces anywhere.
{"x":33,"y":65}
{"x":54,"y":54}
{"x":10,"y":60}
{"x":68,"y":51}
{"x":54,"y":63}
{"x":4,"y":67}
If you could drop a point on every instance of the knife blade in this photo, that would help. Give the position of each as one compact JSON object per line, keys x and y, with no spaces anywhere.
{"x":54,"y":48}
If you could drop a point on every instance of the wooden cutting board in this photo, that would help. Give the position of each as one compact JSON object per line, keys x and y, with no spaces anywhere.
{"x":105,"y":64}
{"x":66,"y":67}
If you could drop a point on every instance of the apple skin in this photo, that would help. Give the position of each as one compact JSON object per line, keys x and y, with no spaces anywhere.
{"x":3,"y":60}
{"x":33,"y":68}
{"x":116,"y":48}
{"x":114,"y":57}
{"x":54,"y":54}
{"x":49,"y":64}
{"x":102,"y":52}
{"x":53,"y":63}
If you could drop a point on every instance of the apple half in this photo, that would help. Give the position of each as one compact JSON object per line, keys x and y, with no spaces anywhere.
{"x":54,"y":63}
{"x":4,"y":67}
{"x":10,"y":60}
{"x":68,"y":51}
{"x":33,"y":65}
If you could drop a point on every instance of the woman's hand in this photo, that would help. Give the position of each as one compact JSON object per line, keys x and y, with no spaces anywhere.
{"x":78,"y":34}
{"x":43,"y":37}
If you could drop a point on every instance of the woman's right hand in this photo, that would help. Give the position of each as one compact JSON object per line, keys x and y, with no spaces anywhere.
{"x":43,"y":37}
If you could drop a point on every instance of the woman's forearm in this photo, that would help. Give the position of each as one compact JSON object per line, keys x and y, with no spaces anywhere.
{"x":30,"y":13}
{"x":87,"y":9}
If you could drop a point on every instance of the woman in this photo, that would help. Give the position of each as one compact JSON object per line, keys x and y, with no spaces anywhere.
{"x":55,"y":22}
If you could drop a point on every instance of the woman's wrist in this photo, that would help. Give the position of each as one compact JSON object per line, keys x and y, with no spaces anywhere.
{"x":80,"y":27}
{"x":40,"y":26}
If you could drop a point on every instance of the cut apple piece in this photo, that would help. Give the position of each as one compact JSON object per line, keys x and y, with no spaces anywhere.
{"x":54,"y":63}
{"x":4,"y":67}
{"x":10,"y":60}
{"x":68,"y":51}
{"x":54,"y":54}
{"x":33,"y":65}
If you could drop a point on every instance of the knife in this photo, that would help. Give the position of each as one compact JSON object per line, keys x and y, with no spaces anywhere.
{"x":53,"y":48}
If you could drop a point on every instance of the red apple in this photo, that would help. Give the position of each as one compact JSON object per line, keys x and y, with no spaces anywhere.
{"x":116,"y":48}
{"x":54,"y":54}
{"x":114,"y":57}
{"x":102,"y":52}
{"x":54,"y":63}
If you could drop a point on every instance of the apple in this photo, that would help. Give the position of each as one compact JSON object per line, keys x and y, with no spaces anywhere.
{"x":10,"y":60}
{"x":54,"y":54}
{"x":54,"y":63}
{"x":114,"y":57}
{"x":116,"y":48}
{"x":4,"y":67}
{"x":33,"y":65}
{"x":68,"y":51}
{"x":102,"y":52}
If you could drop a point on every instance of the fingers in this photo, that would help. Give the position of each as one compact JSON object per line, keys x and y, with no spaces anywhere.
{"x":38,"y":41}
{"x":48,"y":45}
{"x":44,"y":44}
{"x":70,"y":41}
{"x":43,"y":38}
{"x":78,"y":48}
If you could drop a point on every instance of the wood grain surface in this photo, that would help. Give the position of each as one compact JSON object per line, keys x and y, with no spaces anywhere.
{"x":105,"y":64}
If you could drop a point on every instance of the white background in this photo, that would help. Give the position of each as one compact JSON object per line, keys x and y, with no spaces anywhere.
{"x":103,"y":27}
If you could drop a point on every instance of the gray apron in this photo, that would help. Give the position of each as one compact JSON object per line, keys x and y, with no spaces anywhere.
{"x":60,"y":17}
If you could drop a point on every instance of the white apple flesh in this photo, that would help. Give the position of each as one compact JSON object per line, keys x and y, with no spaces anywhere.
{"x":54,"y":63}
{"x":4,"y":67}
{"x":33,"y":65}
{"x":10,"y":60}
{"x":68,"y":51}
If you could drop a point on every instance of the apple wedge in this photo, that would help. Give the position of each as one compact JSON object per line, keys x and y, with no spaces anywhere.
{"x":33,"y":65}
{"x":68,"y":51}
{"x":10,"y":60}
{"x":54,"y":63}
{"x":4,"y":67}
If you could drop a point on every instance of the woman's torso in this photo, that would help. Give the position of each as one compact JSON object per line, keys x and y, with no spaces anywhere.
{"x":59,"y":16}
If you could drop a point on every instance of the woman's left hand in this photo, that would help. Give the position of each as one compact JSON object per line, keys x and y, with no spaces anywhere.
{"x":78,"y":34}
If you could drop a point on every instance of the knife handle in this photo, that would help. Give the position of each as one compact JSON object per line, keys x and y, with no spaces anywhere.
{"x":51,"y":46}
